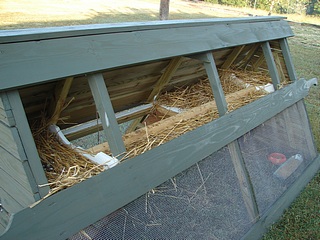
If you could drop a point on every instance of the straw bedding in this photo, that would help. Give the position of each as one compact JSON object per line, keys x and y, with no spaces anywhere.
{"x":65,"y":167}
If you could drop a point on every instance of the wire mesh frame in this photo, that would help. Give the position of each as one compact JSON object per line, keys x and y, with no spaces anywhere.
{"x":205,"y":201}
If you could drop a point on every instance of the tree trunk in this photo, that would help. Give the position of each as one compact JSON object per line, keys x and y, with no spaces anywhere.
{"x":164,"y":9}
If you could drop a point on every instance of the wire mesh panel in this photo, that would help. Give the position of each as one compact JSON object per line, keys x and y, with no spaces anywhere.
{"x":276,"y":153}
{"x":201,"y":202}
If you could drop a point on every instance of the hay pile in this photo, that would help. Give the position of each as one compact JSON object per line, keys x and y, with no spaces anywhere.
{"x":65,"y":167}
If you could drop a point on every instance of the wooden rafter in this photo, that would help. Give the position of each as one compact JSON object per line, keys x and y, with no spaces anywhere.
{"x":59,"y":100}
{"x":232,"y":57}
{"x":160,"y":84}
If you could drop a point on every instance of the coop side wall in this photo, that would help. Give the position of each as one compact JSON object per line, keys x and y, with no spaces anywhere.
{"x":17,"y":186}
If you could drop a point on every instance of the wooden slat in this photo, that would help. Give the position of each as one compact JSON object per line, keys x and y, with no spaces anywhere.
{"x":91,"y":53}
{"x":232,"y":57}
{"x":37,"y":34}
{"x":26,"y":143}
{"x":70,"y":210}
{"x":95,"y":125}
{"x":9,"y":203}
{"x":14,"y":168}
{"x":244,"y":181}
{"x":271,"y":65}
{"x":59,"y":102}
{"x":165,"y":77}
{"x":288,"y":60}
{"x":307,"y":130}
{"x":257,"y":63}
{"x":106,"y":113}
{"x":279,"y":67}
{"x":215,"y":83}
{"x":11,"y":185}
{"x":8,"y":141}
{"x":7,"y":118}
{"x":243,"y":63}
{"x":158,"y":87}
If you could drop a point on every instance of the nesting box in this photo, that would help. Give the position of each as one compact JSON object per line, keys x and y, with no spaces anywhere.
{"x":213,"y":177}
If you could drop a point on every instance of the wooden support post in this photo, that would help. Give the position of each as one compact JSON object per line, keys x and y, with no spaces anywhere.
{"x":232,"y":57}
{"x":244,"y":181}
{"x":271,"y":65}
{"x":60,"y":96}
{"x":160,"y":84}
{"x":106,"y":113}
{"x":28,"y":142}
{"x":287,"y":59}
{"x":215,"y":83}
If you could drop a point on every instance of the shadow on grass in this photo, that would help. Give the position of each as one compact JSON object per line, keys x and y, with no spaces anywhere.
{"x":114,"y":16}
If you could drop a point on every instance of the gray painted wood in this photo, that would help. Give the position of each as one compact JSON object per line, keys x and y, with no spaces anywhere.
{"x":71,"y":56}
{"x":70,"y":210}
{"x":9,"y":135}
{"x":11,"y":185}
{"x":271,"y":65}
{"x":14,"y":168}
{"x":6,"y":117}
{"x":28,"y":145}
{"x":287,"y":59}
{"x":307,"y":129}
{"x":214,"y":80}
{"x":277,"y":209}
{"x":246,"y":187}
{"x":106,"y":113}
{"x":9,"y":203}
{"x":36,"y":34}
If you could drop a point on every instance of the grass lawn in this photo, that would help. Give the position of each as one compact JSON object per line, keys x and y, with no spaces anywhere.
{"x":302,"y":219}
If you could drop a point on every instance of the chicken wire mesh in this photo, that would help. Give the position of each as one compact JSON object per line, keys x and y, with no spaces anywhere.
{"x":202,"y":202}
{"x":285,"y":135}
{"x":205,"y":201}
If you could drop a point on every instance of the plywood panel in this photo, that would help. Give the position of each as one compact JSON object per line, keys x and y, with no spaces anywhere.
{"x":17,"y":191}
{"x":9,"y":136}
{"x":13,"y":167}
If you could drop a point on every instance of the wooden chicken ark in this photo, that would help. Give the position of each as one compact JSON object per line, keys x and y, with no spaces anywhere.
{"x":228,"y":177}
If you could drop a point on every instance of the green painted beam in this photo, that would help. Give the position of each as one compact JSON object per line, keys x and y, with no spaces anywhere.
{"x":36,"y":34}
{"x":287,"y":59}
{"x":34,"y":167}
{"x":271,"y":65}
{"x":69,"y":56}
{"x":66,"y":212}
{"x":108,"y":119}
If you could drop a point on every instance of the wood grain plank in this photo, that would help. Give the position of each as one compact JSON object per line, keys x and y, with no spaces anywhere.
{"x":70,"y":210}
{"x":271,"y":65}
{"x":37,"y":34}
{"x":9,"y":203}
{"x":14,"y":167}
{"x":95,"y":53}
{"x":26,"y":143}
{"x":7,"y":118}
{"x":17,"y":191}
{"x":244,"y":181}
{"x":232,"y":57}
{"x":9,"y":135}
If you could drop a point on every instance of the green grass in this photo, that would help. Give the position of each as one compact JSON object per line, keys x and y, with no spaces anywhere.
{"x":302,"y":219}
